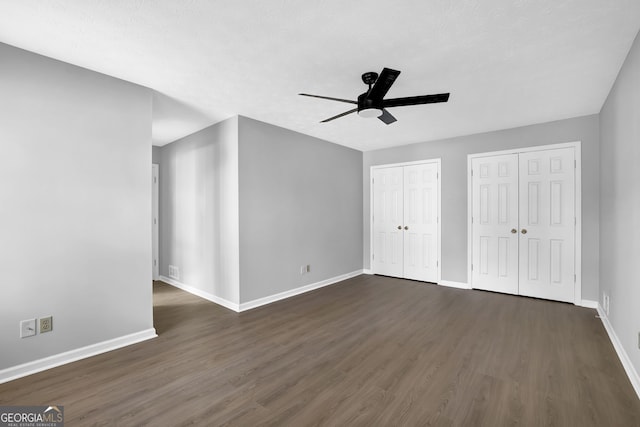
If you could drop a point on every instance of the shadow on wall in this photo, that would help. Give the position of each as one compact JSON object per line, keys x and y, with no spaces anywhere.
{"x":173,"y":119}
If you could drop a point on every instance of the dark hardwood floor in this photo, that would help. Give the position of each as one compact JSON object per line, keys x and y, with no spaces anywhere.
{"x":370,"y":351}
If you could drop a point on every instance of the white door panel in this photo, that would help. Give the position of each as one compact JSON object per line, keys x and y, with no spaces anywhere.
{"x":547,"y":213}
{"x":405,"y":221}
{"x":421,"y":222}
{"x":532,"y":193}
{"x":387,"y":221}
{"x":495,"y":217}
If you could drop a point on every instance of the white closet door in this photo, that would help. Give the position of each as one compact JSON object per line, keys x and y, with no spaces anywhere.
{"x":421,"y":222}
{"x":388,"y":221}
{"x":495,"y":223}
{"x":547,"y":224}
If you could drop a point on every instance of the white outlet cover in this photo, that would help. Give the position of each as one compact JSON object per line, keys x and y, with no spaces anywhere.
{"x":27,"y":328}
{"x":174,"y":272}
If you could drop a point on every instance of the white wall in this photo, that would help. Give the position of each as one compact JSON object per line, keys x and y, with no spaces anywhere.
{"x":454,"y":153}
{"x":300,"y":203}
{"x":75,"y":203}
{"x":199,"y":210}
{"x":620,"y":204}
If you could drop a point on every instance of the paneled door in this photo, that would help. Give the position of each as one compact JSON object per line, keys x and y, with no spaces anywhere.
{"x":495,"y":223}
{"x":420,"y":224}
{"x":388,"y":214}
{"x":547,"y":224}
{"x":524,"y":223}
{"x":405,"y":221}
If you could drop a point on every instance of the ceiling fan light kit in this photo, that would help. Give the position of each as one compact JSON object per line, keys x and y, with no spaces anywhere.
{"x":372,"y":103}
{"x":369,"y":113}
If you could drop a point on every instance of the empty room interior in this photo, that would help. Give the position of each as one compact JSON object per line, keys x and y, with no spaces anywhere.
{"x":320,"y":213}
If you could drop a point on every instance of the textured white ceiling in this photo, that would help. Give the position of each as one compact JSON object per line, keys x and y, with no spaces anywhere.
{"x":506,"y":63}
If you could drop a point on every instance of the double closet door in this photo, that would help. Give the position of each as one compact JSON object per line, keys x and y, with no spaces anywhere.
{"x":524,"y":223}
{"x":405,"y":221}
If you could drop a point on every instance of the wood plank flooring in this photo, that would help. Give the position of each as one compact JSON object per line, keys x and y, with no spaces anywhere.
{"x":370,"y":351}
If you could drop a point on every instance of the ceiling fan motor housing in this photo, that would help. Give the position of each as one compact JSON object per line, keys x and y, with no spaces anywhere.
{"x":368,"y":107}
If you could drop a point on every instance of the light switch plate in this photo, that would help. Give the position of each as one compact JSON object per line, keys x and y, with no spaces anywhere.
{"x":27,"y":328}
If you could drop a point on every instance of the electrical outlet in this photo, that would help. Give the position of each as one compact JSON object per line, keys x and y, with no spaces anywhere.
{"x":46,"y":324}
{"x":304,"y":269}
{"x":174,"y":272}
{"x":27,"y":328}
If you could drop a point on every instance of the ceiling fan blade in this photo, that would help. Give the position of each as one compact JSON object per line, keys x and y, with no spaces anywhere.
{"x":348,"y":101}
{"x":415,"y":100}
{"x":383,"y":83}
{"x":387,"y":118}
{"x":339,"y":115}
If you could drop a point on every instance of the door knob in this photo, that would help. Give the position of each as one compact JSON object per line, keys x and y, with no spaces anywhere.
{"x":514,"y":231}
{"x":524,"y":231}
{"x":399,"y":227}
{"x":406,"y":228}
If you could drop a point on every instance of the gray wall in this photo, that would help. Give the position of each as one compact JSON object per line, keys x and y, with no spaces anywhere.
{"x":75,"y":203}
{"x":155,"y":155}
{"x":620,"y":203}
{"x":199,"y":209}
{"x":453,"y":153}
{"x":300,"y":203}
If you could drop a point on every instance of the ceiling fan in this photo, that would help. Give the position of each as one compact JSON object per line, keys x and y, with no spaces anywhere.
{"x":372,"y":102}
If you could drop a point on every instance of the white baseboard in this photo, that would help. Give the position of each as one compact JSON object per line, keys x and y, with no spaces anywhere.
{"x":260,"y":301}
{"x":367,"y":271}
{"x":622,"y":354}
{"x":451,"y":284}
{"x":39,"y":365}
{"x":297,"y":291}
{"x":588,"y":303}
{"x":202,"y":294}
